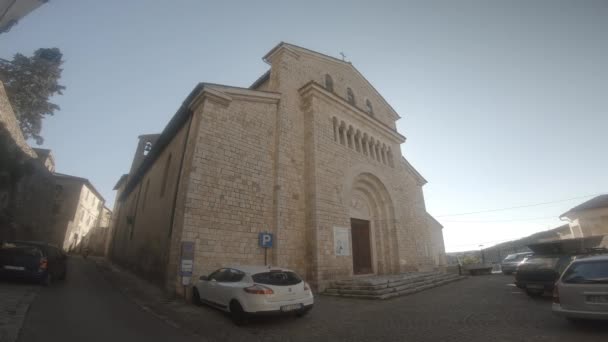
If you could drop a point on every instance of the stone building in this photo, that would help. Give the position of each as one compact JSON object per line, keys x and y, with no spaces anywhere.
{"x":589,"y":218}
{"x":27,"y":185}
{"x":309,"y":152}
{"x":78,"y":210}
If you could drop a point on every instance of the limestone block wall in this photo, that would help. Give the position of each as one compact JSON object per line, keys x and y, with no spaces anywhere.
{"x":437,"y":247}
{"x":304,"y":67}
{"x":230,"y":188}
{"x":396,"y":238}
{"x":331,"y":165}
{"x":143,"y":231}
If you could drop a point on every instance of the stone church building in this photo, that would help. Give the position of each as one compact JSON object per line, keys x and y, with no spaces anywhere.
{"x":309,"y":153}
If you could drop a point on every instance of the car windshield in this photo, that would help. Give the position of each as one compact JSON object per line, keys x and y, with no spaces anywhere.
{"x":593,"y":272}
{"x":279,"y":278}
{"x":511,"y":257}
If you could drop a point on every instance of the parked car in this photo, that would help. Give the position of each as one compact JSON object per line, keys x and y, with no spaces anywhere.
{"x":510,"y":263}
{"x":538,"y":273}
{"x":582,"y":291}
{"x":37,"y":261}
{"x":244,"y":291}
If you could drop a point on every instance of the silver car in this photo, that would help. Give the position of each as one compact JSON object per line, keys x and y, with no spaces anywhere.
{"x":510,"y":263}
{"x":582,"y":290}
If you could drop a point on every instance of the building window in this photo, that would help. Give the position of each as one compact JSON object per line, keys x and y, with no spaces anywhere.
{"x":329,"y":83}
{"x":147,"y":148}
{"x":350,"y":97}
{"x":368,"y":106}
{"x":163,"y":185}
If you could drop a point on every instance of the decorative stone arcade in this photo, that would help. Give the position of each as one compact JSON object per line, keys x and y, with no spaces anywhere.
{"x":371,"y":202}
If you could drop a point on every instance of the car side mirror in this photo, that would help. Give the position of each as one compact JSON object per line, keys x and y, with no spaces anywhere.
{"x":203,"y":277}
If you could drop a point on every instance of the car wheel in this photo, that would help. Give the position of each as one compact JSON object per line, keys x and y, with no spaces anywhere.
{"x":238,"y":315}
{"x":196,"y":297}
{"x":303,"y":312}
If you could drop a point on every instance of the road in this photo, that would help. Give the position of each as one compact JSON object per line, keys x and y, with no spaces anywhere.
{"x":98,"y":304}
{"x":87,"y":308}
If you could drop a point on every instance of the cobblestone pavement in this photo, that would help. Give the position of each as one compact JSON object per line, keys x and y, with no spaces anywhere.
{"x":484,"y":308}
{"x":15,"y":299}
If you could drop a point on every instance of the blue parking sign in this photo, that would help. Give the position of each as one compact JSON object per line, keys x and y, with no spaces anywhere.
{"x":265,"y":240}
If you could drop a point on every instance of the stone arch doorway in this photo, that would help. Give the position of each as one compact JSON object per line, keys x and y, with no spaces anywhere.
{"x":373,"y":232}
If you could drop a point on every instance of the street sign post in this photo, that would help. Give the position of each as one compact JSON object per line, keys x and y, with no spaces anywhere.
{"x":265,"y":241}
{"x":187,"y":262}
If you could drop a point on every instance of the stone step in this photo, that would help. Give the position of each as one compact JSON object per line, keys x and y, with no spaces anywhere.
{"x":397,"y":288}
{"x":395,"y":291}
{"x":387,"y":284}
{"x":378,"y":282}
{"x":392,"y":288}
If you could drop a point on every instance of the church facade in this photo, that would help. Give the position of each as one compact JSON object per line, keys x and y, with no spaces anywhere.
{"x":309,"y":153}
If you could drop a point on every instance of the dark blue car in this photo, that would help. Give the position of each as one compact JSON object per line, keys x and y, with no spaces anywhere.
{"x":35,"y":261}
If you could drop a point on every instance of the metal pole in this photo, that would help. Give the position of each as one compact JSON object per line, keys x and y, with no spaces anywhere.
{"x":265,"y":256}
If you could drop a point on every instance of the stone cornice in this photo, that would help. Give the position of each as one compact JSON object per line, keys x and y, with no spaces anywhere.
{"x":314,"y":89}
{"x":224,"y":95}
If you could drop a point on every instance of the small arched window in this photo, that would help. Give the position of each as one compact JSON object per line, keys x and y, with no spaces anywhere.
{"x":350,"y":97}
{"x":147,"y":148}
{"x":163,"y":185}
{"x":329,"y":83}
{"x":368,"y":106}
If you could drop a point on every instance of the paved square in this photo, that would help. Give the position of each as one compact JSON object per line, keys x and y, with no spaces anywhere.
{"x":15,"y":299}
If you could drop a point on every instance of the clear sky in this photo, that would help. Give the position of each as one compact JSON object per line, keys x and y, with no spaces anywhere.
{"x":503,"y":103}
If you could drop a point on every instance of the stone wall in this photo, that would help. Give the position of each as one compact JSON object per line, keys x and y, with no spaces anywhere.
{"x":27,"y":188}
{"x":312,"y":202}
{"x":142,"y":232}
{"x":229,"y":195}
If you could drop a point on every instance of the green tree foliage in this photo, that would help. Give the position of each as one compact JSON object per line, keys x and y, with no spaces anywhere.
{"x":29,"y":83}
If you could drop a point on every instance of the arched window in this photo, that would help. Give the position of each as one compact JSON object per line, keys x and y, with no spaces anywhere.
{"x":368,"y":106}
{"x":147,"y":148}
{"x":329,"y":83}
{"x":163,"y":185}
{"x":350,"y":97}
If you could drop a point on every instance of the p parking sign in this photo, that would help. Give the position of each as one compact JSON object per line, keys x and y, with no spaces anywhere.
{"x":265,"y":240}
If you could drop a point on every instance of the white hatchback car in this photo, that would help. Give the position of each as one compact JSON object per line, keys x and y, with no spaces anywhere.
{"x":582,"y":290}
{"x":254,"y":290}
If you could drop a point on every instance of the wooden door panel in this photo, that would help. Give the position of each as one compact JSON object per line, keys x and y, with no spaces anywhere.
{"x":361,"y":247}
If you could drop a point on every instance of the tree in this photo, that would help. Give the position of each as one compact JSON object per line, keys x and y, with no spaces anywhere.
{"x":29,"y":83}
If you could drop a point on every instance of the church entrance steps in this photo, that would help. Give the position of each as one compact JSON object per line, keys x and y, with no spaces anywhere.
{"x":384,"y":287}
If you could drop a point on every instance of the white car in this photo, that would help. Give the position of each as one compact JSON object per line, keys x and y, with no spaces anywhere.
{"x":254,"y":290}
{"x":582,"y":291}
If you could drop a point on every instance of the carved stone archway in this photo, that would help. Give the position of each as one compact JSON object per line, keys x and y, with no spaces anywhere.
{"x":370,"y":200}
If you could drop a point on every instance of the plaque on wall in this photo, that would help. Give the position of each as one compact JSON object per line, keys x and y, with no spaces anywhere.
{"x":341,"y":241}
